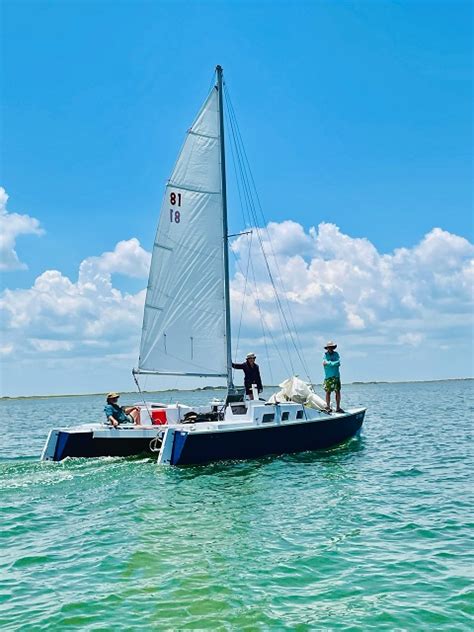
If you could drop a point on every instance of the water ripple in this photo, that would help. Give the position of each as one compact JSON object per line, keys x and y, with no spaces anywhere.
{"x":374,"y":534}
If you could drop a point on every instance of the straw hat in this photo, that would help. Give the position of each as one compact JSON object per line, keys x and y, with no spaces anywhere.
{"x":330,"y":345}
{"x":112,"y":395}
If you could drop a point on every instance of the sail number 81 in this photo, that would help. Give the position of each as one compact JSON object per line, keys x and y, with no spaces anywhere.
{"x":175,"y":200}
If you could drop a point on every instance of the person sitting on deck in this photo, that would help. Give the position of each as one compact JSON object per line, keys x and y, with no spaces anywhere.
{"x":251,"y":374}
{"x":117,"y":415}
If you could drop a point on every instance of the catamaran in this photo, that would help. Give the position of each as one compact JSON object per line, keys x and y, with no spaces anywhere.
{"x":187,"y":332}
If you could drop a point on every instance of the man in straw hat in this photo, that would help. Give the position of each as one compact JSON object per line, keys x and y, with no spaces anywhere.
{"x":251,"y":374}
{"x":117,"y":415}
{"x":332,"y":377}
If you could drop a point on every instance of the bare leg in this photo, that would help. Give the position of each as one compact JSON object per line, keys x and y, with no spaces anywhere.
{"x":338,"y":400}
{"x":328,"y":399}
{"x":135,"y":414}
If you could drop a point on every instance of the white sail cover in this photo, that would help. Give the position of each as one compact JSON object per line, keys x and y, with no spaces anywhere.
{"x":184,"y":322}
{"x":295,"y":390}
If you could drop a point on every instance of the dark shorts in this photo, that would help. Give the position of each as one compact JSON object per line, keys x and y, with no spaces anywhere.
{"x":332,"y":384}
{"x":128,"y":420}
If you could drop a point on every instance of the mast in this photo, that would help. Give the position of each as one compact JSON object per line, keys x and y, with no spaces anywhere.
{"x":230,"y":383}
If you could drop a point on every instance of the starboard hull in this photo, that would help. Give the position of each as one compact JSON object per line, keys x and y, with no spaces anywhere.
{"x":193,"y":448}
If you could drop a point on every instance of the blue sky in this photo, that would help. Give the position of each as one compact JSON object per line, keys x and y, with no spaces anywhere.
{"x":357,"y":114}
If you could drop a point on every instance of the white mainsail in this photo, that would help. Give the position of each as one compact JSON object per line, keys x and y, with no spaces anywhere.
{"x":184,"y":318}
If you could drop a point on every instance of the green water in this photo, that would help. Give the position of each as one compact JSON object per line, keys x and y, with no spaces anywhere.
{"x":372,"y":535}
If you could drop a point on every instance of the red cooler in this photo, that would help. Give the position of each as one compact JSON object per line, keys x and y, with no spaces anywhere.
{"x":158,"y":416}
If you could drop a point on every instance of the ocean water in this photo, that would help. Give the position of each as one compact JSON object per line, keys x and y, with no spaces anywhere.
{"x":376,"y":534}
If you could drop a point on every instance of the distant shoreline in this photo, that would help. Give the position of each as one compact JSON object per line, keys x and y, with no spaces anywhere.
{"x":221,"y":388}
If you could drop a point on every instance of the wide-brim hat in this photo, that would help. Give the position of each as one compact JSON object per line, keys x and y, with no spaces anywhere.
{"x":112,"y":395}
{"x":250,"y":355}
{"x":330,"y":345}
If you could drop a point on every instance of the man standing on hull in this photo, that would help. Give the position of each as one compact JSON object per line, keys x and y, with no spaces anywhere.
{"x":332,"y":377}
{"x":251,"y":374}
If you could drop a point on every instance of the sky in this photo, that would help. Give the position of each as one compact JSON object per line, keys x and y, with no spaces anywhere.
{"x":357,"y":123}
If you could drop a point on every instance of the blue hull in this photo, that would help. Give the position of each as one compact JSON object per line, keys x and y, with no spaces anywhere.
{"x":193,"y":448}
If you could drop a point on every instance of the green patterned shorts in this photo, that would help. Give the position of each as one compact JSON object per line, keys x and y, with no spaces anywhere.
{"x":332,"y":384}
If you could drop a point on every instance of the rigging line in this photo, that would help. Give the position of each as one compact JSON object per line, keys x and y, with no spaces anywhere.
{"x":245,"y":232}
{"x":289,"y":309}
{"x":252,"y":212}
{"x":233,"y":144}
{"x":267,"y":326}
{"x":250,"y":205}
{"x":250,"y":208}
{"x":242,"y":212}
{"x":143,"y":397}
{"x":277,"y":297}
{"x":241,"y":183}
{"x":298,"y":347}
{"x":245,"y":167}
{"x":239,"y":166}
{"x":265,"y":336}
{"x":254,"y":220}
{"x":234,"y":164}
{"x":267,"y":352}
{"x":298,"y":350}
{"x":266,"y":330}
{"x":281,"y":315}
{"x":237,"y":181}
{"x":243,"y":170}
{"x":240,"y":151}
{"x":245,"y":295}
{"x":244,"y":155}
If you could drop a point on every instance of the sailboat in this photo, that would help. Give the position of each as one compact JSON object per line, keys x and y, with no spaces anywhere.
{"x":187,"y":332}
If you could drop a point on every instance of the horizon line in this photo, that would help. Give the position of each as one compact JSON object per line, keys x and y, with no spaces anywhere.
{"x":212,"y":388}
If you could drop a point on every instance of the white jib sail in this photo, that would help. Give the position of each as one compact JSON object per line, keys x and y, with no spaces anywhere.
{"x":183,"y":323}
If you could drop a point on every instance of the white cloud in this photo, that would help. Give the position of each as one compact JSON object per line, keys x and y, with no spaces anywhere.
{"x":331,"y":286}
{"x":128,"y":258}
{"x":413,"y":339}
{"x":11,"y":226}
{"x":336,"y":285}
{"x":58,"y":316}
{"x":6,"y":350}
{"x":51,"y":345}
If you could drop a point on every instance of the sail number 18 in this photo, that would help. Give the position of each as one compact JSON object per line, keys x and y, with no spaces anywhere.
{"x":175,"y":200}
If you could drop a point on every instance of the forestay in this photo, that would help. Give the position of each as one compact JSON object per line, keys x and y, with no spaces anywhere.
{"x":183,"y":324}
